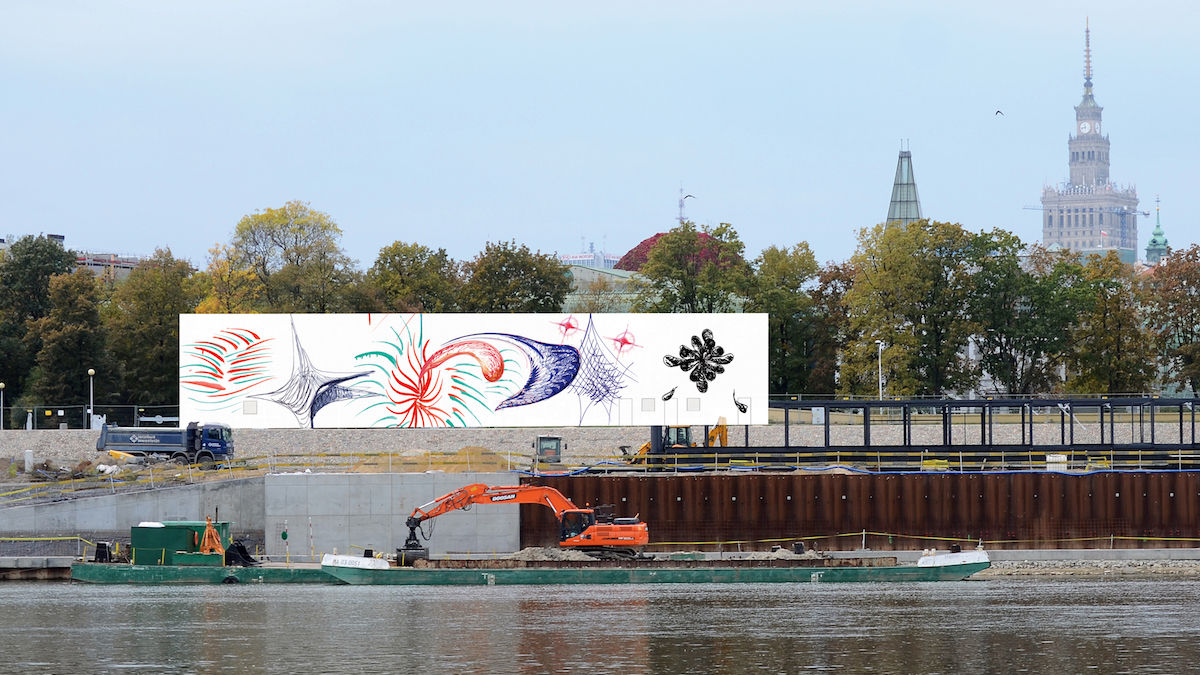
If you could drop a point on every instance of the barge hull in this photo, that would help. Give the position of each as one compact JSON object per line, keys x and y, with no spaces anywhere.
{"x":117,"y":573}
{"x":406,"y":576}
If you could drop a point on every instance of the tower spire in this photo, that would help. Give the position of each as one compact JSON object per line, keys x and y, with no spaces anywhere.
{"x":1087,"y":53}
{"x":905,"y":206}
{"x":1157,"y":248}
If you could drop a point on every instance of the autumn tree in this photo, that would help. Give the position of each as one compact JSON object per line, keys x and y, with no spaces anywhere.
{"x":295,"y":255}
{"x":1172,"y":303}
{"x":780,"y":279}
{"x":72,"y":340}
{"x":1113,"y":351}
{"x":831,"y":325}
{"x":227,"y":288}
{"x":143,"y":326}
{"x":415,"y":278}
{"x":510,"y":278}
{"x":910,"y":291}
{"x":687,"y":271}
{"x":25,"y":275}
{"x":1024,"y":312}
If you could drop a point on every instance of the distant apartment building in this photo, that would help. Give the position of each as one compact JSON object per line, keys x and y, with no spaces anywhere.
{"x":590,"y":258}
{"x":115,"y":265}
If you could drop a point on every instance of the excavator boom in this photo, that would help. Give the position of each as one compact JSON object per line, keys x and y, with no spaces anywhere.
{"x":478,"y":493}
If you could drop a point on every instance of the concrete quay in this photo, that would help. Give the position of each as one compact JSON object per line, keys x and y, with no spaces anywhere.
{"x":39,"y":568}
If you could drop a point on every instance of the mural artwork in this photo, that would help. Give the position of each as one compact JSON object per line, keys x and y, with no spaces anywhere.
{"x":464,"y":370}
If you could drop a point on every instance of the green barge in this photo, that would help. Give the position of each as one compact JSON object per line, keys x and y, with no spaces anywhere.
{"x":124,"y":573}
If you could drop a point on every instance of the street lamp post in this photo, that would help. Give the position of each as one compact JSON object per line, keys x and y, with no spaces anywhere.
{"x":91,"y":395}
{"x":1,"y":406}
{"x":879,"y":346}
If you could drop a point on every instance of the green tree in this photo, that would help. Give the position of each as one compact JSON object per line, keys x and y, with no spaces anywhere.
{"x":143,"y":326}
{"x":1024,"y":313}
{"x":508,"y":278}
{"x":697,"y":271}
{"x":831,"y":326}
{"x":295,"y":254}
{"x":910,"y":292}
{"x":1172,"y":303}
{"x":781,"y":277}
{"x":1113,"y":348}
{"x":25,"y":297}
{"x":415,"y":278}
{"x":72,"y":340}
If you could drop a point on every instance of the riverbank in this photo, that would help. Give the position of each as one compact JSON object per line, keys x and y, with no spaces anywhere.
{"x":1091,"y":568}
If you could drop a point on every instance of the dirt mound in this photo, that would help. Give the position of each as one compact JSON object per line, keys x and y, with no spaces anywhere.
{"x":535,"y":553}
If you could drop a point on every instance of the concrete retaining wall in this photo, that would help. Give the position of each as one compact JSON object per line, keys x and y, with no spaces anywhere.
{"x":351,"y":512}
{"x":346,"y":510}
{"x":240,"y":501}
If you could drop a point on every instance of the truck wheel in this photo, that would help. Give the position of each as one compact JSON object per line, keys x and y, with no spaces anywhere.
{"x":179,"y":458}
{"x":205,"y":460}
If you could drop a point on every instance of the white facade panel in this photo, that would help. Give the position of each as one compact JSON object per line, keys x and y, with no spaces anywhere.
{"x":472,"y":370}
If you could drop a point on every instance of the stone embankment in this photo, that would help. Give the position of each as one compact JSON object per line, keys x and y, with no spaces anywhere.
{"x":584,"y":444}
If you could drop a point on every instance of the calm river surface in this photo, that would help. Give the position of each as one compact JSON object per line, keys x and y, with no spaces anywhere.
{"x":993,"y":626}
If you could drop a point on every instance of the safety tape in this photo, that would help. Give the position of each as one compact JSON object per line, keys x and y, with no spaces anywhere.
{"x":890,"y":535}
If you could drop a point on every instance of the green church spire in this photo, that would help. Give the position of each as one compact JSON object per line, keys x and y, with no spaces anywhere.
{"x":1157,"y":248}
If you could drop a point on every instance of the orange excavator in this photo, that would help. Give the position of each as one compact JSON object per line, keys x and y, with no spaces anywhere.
{"x":579,"y":529}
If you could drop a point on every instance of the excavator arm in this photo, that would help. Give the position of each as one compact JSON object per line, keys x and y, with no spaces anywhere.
{"x":719,"y":433}
{"x":478,"y":493}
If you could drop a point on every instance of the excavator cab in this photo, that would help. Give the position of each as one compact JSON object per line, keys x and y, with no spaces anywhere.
{"x":681,"y":436}
{"x":574,"y":523}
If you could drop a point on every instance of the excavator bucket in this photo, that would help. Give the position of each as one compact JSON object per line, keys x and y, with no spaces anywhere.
{"x":405,"y":557}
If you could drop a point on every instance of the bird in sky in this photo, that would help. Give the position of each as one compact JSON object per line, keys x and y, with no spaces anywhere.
{"x":998,"y":113}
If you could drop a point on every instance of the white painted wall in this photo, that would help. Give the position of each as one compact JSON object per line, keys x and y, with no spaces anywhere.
{"x":275,"y":370}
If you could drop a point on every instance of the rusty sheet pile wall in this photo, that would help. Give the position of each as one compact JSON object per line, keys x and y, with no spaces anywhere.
{"x":898,"y":511}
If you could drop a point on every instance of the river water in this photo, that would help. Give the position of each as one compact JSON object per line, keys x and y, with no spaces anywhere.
{"x":992,"y":626}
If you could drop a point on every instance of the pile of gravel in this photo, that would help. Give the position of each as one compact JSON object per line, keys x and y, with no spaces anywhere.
{"x":544,"y":554}
{"x":785,"y":554}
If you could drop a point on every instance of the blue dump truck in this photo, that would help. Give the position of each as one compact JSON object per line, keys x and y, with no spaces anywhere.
{"x":203,"y":444}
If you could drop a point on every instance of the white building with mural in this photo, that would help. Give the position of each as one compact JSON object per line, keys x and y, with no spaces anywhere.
{"x":472,"y":370}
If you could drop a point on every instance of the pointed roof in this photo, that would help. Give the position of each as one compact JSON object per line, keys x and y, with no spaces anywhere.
{"x":906,"y":205}
{"x":1157,"y":248}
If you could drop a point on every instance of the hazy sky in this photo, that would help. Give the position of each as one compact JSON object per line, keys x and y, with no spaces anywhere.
{"x":131,"y":125}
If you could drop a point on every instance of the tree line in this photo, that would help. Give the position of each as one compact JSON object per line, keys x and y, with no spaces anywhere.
{"x":942,"y":311}
{"x":58,"y":321}
{"x":948,"y":310}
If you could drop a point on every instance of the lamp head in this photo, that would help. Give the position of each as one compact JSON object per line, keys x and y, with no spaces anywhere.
{"x":91,"y":372}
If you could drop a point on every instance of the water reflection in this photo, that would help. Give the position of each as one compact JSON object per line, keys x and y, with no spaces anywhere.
{"x":972,"y":627}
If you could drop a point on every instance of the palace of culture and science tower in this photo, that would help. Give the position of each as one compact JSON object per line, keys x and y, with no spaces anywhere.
{"x":1090,"y":214}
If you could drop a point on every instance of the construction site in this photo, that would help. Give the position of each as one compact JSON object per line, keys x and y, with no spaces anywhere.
{"x":832,"y":476}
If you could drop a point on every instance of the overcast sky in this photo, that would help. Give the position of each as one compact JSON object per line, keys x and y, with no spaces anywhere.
{"x":127,"y":126}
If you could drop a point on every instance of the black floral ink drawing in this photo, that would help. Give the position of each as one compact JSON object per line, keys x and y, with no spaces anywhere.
{"x":705,"y":359}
